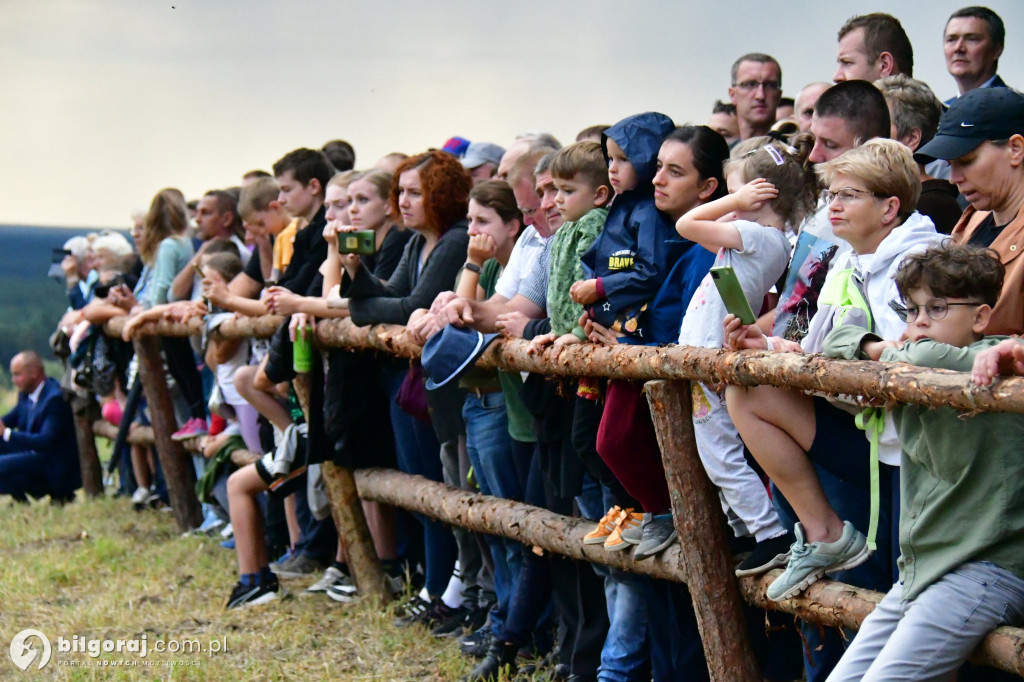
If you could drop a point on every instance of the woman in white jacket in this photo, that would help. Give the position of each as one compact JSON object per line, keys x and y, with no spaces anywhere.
{"x":872,"y":192}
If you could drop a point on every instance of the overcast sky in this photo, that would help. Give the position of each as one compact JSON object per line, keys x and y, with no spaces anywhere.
{"x":104,"y":102}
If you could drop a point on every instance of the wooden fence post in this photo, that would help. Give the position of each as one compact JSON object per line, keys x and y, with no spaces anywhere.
{"x":179,"y":473}
{"x":86,"y":413}
{"x":705,"y":554}
{"x":349,"y":520}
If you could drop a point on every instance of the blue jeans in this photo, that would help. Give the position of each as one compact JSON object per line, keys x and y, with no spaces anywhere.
{"x":927,"y":638}
{"x":490,"y":452}
{"x":418,"y":453}
{"x":625,"y":656}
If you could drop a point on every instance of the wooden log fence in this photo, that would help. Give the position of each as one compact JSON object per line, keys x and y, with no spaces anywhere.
{"x":701,"y":559}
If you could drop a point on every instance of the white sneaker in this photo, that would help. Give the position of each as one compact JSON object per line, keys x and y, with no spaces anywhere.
{"x":332,"y":576}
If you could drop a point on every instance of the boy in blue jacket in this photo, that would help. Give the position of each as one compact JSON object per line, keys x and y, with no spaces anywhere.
{"x":638,"y":246}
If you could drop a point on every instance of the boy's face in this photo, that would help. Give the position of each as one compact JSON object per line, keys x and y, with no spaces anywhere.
{"x":262,"y":223}
{"x":961,"y":322}
{"x":621,"y":173}
{"x":297,"y":199}
{"x":576,"y":197}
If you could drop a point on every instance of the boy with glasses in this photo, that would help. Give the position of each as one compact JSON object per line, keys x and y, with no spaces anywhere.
{"x":962,"y":506}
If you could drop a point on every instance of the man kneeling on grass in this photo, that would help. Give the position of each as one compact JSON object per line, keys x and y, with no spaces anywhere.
{"x":962,"y":481}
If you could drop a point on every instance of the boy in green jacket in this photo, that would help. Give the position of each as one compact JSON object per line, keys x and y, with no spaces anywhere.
{"x":962,"y":482}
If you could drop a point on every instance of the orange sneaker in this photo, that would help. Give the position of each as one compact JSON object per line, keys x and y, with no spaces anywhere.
{"x":604,"y":528}
{"x":627,"y":519}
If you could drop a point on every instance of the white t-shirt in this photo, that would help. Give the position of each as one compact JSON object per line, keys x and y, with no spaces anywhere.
{"x":522,"y":259}
{"x":758,"y":266}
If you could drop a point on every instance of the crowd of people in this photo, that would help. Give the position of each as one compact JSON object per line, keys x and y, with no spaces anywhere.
{"x":860,"y":219}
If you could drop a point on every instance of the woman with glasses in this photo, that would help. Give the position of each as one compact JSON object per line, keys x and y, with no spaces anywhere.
{"x":871,"y":193}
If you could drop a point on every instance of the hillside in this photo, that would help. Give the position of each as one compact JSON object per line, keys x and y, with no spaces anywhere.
{"x":31,"y":304}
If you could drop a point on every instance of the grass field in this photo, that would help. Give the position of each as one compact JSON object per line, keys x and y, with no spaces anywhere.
{"x":99,"y":570}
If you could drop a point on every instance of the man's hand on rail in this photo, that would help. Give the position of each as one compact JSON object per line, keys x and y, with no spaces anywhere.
{"x":511,"y":324}
{"x":458,"y":312}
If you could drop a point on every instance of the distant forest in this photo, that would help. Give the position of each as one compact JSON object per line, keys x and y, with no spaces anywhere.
{"x":30,"y":303}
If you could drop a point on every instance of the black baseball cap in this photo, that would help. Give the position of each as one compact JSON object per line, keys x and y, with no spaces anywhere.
{"x":981,"y":114}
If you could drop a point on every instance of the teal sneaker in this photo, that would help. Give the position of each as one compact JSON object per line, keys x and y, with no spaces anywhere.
{"x":809,"y":562}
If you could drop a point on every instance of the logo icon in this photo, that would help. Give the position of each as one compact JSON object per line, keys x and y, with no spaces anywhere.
{"x":23,"y":653}
{"x":966,"y":125}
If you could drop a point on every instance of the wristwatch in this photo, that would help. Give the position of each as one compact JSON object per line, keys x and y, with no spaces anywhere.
{"x":472,"y":267}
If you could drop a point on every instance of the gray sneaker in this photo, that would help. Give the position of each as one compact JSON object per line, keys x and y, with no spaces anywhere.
{"x":297,"y":566}
{"x":658,"y":532}
{"x":634,"y":534}
{"x":809,"y":562}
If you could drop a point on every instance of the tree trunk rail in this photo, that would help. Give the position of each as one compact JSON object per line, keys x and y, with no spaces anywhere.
{"x":876,"y":382}
{"x":704,"y":564}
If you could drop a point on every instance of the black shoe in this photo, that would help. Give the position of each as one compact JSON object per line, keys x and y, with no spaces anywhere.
{"x":768,"y":554}
{"x":453,"y":623}
{"x":501,"y":656}
{"x":244,"y":595}
{"x":478,"y":643}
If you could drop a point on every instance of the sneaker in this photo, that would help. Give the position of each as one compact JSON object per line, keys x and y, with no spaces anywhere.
{"x":332,"y":576}
{"x":452,"y":623}
{"x":658,"y":533}
{"x":634,"y":534}
{"x":476,"y":644}
{"x":193,"y":428}
{"x":809,"y":562}
{"x":297,"y":566}
{"x":766,"y":555}
{"x":274,"y":565}
{"x":244,"y":595}
{"x":435,"y":612}
{"x":212,"y":524}
{"x":627,"y":519}
{"x":411,"y":609}
{"x":604,"y":527}
{"x":343,"y":592}
{"x":228,"y":544}
{"x":139,"y":498}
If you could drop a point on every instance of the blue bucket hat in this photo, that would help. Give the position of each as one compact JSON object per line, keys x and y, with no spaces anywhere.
{"x":448,"y":354}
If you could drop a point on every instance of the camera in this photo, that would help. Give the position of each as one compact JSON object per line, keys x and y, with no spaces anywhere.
{"x":101,"y":290}
{"x":362,"y":242}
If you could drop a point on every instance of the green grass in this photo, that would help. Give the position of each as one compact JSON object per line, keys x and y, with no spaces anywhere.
{"x":98,"y":569}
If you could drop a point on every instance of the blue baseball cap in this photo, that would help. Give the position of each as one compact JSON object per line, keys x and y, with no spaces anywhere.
{"x":979,"y":115}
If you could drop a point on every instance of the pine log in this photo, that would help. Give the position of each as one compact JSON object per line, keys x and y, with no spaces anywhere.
{"x":705,"y":557}
{"x":179,"y":474}
{"x":88,"y":459}
{"x":878,"y":382}
{"x":505,"y":518}
{"x":347,"y":513}
{"x":826,"y":602}
{"x":839,"y":605}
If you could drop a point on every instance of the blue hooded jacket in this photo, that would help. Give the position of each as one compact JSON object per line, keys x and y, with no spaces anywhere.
{"x":639,"y":244}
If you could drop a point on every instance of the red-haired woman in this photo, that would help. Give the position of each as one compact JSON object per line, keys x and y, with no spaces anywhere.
{"x":431,"y":197}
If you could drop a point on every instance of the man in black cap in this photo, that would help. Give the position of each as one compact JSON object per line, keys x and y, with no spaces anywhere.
{"x":982,"y":137}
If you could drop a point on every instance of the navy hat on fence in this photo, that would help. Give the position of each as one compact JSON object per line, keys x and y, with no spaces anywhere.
{"x":449,"y":353}
{"x":979,"y":115}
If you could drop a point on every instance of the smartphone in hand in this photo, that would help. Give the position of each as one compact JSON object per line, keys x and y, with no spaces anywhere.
{"x":732,"y":294}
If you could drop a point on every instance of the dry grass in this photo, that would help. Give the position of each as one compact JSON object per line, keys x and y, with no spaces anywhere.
{"x":100,"y":570}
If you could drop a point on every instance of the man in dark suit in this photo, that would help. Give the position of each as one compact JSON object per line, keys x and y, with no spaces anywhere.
{"x":38,"y":450}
